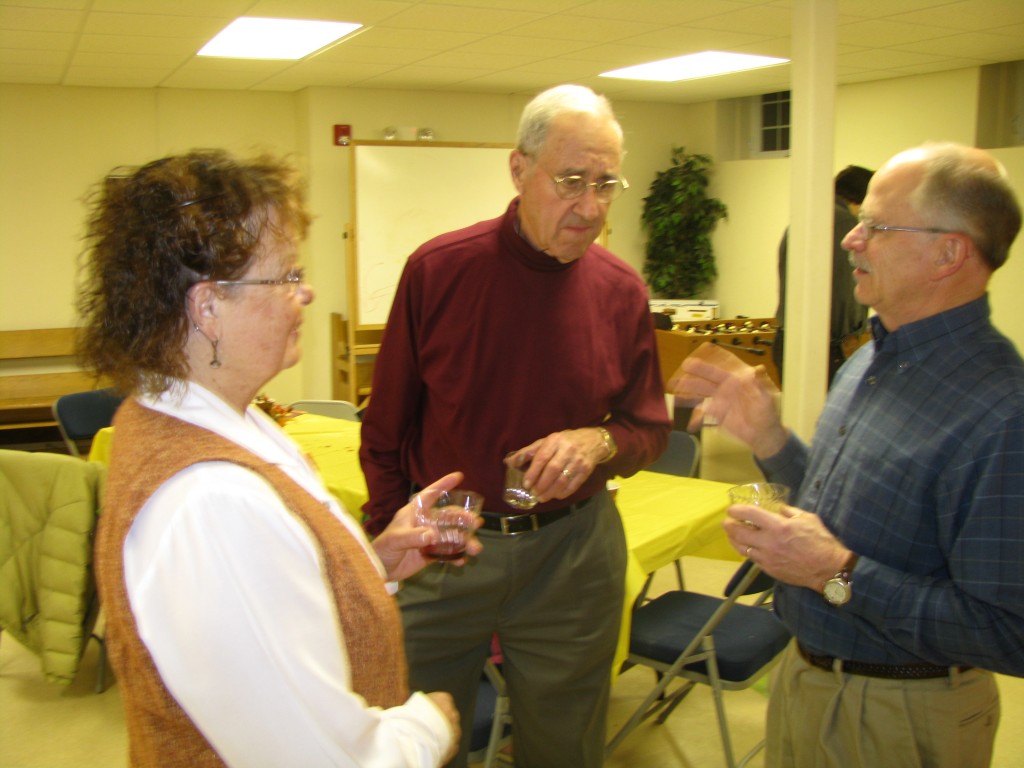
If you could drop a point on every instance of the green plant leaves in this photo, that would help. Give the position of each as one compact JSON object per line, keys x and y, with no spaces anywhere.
{"x":679,"y":218}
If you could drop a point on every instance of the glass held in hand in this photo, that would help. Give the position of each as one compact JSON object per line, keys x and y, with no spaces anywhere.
{"x":770,"y":496}
{"x":516,"y":494}
{"x":452,"y":517}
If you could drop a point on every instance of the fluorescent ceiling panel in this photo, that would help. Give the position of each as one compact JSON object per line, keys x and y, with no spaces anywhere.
{"x":694,"y":66}
{"x":249,"y":37}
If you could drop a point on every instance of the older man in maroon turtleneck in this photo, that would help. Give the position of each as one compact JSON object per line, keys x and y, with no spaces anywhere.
{"x":521,"y":336}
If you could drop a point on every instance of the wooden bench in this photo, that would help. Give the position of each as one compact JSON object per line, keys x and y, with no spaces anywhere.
{"x":37,"y":367}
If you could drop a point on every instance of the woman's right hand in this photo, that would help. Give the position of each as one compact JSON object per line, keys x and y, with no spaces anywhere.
{"x":444,"y":702}
{"x":400,"y":545}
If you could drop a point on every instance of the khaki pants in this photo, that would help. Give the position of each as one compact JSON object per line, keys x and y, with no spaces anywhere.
{"x":554,"y":597}
{"x":820,"y":719}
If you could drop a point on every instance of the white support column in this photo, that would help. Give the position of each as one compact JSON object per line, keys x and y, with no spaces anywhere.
{"x":809,"y":280}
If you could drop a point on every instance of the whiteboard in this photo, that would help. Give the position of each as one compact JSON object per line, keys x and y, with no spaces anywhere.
{"x":406,"y":193}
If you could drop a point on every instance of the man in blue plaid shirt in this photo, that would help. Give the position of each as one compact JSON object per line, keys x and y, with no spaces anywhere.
{"x":901,"y":562}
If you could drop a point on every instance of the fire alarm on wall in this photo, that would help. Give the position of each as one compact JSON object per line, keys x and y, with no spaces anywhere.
{"x":342,"y":135}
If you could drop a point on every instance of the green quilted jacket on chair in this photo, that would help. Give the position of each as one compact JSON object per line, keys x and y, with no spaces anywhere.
{"x":49,"y":504}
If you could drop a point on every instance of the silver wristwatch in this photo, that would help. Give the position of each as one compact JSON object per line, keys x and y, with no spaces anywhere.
{"x":839,"y":589}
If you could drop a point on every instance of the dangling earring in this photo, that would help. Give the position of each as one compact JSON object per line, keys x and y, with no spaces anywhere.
{"x":215,"y":362}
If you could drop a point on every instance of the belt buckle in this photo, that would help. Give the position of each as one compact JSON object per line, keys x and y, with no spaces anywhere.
{"x":505,"y":530}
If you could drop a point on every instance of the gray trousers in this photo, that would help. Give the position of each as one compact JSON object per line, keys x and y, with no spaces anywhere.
{"x":554,"y":597}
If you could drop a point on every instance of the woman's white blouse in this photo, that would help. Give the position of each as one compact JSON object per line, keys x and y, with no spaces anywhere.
{"x":228,"y":593}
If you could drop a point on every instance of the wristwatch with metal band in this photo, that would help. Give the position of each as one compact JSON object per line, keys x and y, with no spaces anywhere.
{"x":839,"y":589}
{"x":609,"y":443}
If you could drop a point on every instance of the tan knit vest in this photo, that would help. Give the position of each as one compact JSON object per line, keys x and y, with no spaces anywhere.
{"x":150,"y":449}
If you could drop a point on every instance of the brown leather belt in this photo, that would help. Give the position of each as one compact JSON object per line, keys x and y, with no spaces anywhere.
{"x":916,"y":671}
{"x":513,"y":525}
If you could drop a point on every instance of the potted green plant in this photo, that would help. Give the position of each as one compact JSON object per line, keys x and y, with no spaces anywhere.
{"x":679,"y":218}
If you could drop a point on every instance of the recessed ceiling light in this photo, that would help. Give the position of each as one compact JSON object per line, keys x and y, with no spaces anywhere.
{"x":693,"y":66}
{"x":249,"y":37}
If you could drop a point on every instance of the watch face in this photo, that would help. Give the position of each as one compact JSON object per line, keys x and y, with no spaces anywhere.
{"x":836,"y":592}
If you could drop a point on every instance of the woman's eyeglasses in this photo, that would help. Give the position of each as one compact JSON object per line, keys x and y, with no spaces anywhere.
{"x":294,"y":278}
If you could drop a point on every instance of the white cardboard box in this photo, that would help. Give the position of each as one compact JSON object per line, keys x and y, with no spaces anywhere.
{"x":686,"y":310}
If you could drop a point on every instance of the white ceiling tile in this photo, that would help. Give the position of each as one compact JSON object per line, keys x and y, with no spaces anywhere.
{"x":137,"y":44}
{"x":36,"y":73}
{"x":976,"y":45}
{"x":345,"y":55}
{"x":361,"y":11}
{"x":683,"y":40}
{"x":484,"y":62}
{"x":572,"y":27}
{"x":39,"y":19}
{"x":217,"y":8}
{"x":883,"y":33}
{"x":42,"y":41}
{"x":964,"y":15}
{"x":97,"y":60}
{"x":659,"y":11}
{"x":545,"y":47}
{"x":155,"y":25}
{"x":759,"y":19}
{"x":460,"y":18}
{"x":885,"y":58}
{"x":420,"y":77}
{"x":68,"y":5}
{"x":498,"y":46}
{"x":418,"y":39}
{"x":114,"y":77}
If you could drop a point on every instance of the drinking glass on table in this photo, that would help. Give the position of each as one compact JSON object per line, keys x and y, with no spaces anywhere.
{"x":452,"y":517}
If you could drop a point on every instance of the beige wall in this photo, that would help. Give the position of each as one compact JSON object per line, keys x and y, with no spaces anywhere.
{"x":56,"y":142}
{"x":873,"y":122}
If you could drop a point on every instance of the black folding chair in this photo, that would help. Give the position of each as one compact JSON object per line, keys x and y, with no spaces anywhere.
{"x":690,"y":638}
{"x":81,"y":415}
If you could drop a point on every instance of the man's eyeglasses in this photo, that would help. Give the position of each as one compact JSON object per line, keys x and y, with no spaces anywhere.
{"x":294,"y":278}
{"x":870,"y":228}
{"x":571,"y":187}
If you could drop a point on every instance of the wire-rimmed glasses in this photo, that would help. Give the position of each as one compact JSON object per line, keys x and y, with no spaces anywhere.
{"x":870,"y":228}
{"x":573,"y":186}
{"x":294,"y":278}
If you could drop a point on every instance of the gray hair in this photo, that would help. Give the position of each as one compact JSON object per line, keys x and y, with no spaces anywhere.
{"x":971,"y":192}
{"x":554,"y":102}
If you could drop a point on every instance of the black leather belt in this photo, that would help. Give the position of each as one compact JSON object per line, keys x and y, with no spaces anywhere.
{"x":922,"y":671}
{"x":513,"y":525}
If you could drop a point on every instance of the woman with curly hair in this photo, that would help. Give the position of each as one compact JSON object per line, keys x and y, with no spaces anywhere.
{"x":250,"y":622}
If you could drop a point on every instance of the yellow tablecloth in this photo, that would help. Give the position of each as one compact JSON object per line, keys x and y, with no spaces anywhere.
{"x":333,"y":444}
{"x":665,"y":517}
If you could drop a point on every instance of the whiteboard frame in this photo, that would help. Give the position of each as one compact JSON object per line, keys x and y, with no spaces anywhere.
{"x":354,"y":275}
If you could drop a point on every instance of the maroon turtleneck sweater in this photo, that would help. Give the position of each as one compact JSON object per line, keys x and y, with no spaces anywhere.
{"x":491,"y":345}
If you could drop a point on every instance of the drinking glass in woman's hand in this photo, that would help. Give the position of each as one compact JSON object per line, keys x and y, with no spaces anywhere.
{"x":452,"y":518}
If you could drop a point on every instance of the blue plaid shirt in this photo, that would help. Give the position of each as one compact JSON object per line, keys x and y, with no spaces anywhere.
{"x":917,"y":465}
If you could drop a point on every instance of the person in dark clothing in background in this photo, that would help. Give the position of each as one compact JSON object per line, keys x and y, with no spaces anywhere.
{"x":847,"y":317}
